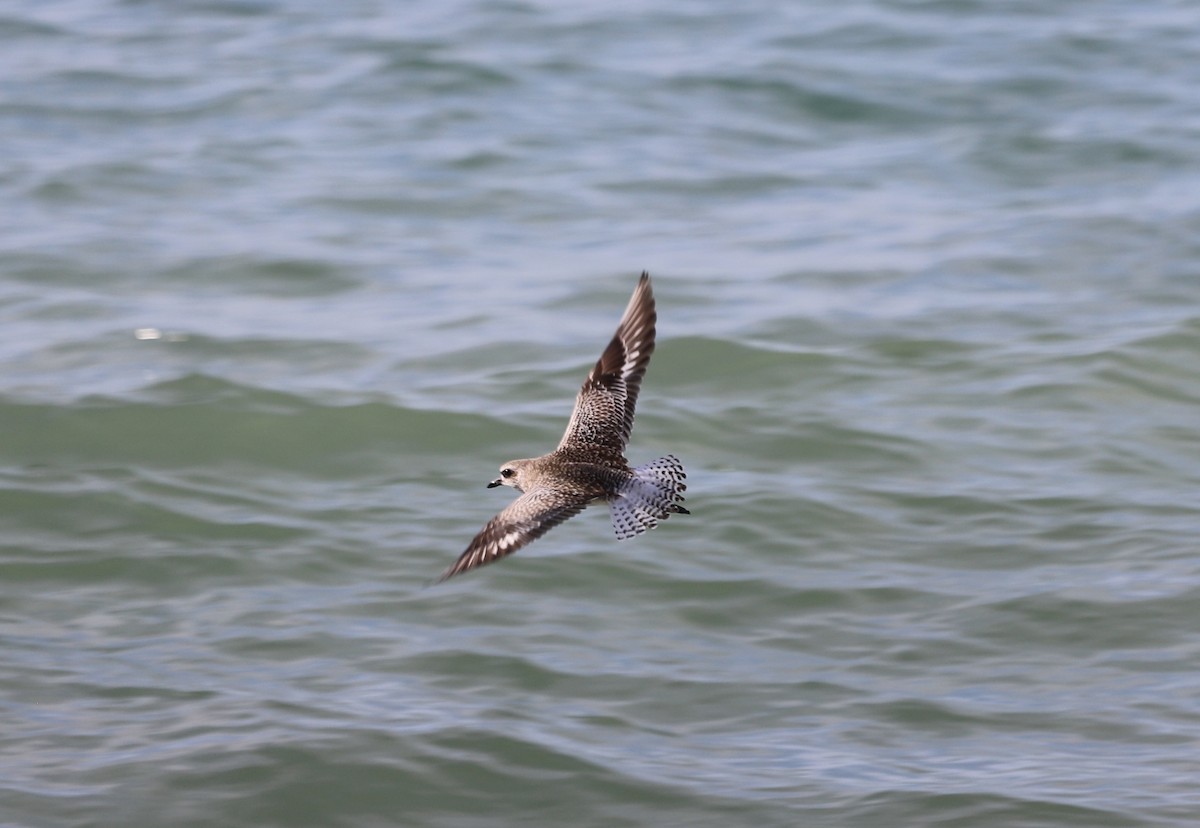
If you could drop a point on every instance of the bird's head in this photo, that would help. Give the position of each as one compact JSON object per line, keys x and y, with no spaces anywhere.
{"x":513,"y":473}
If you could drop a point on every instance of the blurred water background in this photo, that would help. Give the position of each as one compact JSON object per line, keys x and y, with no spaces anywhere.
{"x":282,"y":283}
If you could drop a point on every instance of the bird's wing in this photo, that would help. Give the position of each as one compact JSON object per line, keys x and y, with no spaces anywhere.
{"x":603,"y":415}
{"x":526,"y":519}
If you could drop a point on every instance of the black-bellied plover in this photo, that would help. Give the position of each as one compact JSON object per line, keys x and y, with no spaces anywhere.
{"x":589,"y":463}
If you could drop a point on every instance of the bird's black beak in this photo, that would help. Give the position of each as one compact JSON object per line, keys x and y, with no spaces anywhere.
{"x":494,"y":483}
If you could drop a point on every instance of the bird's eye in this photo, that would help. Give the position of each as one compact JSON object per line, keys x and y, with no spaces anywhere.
{"x":507,"y":472}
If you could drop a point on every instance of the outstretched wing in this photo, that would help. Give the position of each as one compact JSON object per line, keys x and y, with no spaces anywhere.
{"x":603,"y":415}
{"x":526,"y":519}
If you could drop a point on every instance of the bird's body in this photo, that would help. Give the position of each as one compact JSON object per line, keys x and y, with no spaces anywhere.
{"x":589,"y":463}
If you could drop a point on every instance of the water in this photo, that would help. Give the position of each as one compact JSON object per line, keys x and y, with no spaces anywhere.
{"x":281,"y":284}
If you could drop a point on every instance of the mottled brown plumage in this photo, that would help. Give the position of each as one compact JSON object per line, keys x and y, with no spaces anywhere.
{"x":589,"y":463}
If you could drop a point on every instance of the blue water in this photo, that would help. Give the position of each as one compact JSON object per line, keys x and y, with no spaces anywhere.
{"x":282,"y":284}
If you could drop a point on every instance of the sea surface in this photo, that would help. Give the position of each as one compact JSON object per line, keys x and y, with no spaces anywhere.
{"x":282,"y":284}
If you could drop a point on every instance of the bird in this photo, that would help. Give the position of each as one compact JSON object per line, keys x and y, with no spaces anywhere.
{"x":589,"y":463}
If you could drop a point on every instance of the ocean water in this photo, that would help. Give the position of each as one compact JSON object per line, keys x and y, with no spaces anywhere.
{"x":283,"y":283}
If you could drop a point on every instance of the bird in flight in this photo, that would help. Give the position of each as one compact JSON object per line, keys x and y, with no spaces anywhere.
{"x":589,"y":464}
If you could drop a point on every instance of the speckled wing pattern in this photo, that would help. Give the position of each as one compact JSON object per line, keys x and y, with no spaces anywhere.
{"x":603,"y":415}
{"x":526,"y":519}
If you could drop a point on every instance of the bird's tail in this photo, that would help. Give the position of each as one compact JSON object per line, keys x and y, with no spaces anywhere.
{"x":654,"y":493}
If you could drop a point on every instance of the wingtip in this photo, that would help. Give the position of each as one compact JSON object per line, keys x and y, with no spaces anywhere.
{"x":445,"y":576}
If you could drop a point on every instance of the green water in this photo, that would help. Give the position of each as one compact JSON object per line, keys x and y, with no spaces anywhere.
{"x":282,"y":285}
